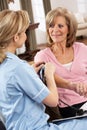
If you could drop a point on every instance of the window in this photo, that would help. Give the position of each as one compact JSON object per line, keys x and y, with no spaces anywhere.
{"x":39,"y":16}
{"x":15,"y":5}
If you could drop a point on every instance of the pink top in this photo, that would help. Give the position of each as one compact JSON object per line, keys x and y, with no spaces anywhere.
{"x":77,"y":73}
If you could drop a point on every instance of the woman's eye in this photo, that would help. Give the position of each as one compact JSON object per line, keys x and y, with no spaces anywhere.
{"x":51,"y":26}
{"x":60,"y":25}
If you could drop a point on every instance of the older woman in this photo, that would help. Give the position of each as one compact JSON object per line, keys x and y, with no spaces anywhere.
{"x":69,"y":58}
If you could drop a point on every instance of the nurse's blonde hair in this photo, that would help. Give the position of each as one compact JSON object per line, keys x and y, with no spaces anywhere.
{"x":11,"y":23}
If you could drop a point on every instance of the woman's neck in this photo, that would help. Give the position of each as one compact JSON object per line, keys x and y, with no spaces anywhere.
{"x":62,"y":53}
{"x":59,"y":47}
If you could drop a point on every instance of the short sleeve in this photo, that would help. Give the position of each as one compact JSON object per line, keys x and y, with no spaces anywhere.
{"x":39,"y":57}
{"x":29,"y":83}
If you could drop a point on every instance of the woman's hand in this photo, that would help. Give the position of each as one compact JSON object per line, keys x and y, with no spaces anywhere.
{"x":80,"y":88}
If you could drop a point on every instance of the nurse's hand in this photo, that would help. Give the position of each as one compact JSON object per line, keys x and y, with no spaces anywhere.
{"x":38,"y":66}
{"x":49,"y":70}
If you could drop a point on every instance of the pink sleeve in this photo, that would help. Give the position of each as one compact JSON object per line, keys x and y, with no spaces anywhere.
{"x":40,"y":57}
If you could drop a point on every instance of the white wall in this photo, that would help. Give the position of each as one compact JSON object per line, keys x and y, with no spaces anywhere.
{"x":69,"y":4}
{"x":72,"y":5}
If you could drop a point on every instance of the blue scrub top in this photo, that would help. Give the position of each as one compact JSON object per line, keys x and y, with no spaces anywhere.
{"x":21,"y":96}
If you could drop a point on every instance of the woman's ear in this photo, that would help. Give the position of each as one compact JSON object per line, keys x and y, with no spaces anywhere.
{"x":16,"y":38}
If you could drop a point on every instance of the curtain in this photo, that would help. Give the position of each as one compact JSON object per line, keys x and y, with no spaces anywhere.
{"x":47,"y":6}
{"x":3,"y":5}
{"x":27,"y":5}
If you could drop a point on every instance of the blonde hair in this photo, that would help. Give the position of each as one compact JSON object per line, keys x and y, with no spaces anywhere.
{"x":11,"y":23}
{"x":70,"y":21}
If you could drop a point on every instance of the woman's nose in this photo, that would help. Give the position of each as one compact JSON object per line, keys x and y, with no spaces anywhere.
{"x":56,"y":28}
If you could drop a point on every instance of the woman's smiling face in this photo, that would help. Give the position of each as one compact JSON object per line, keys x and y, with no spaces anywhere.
{"x":58,"y":30}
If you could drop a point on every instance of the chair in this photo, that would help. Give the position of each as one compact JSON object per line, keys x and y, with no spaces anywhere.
{"x":2,"y":122}
{"x":2,"y":126}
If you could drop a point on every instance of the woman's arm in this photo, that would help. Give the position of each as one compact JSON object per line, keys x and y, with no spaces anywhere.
{"x":78,"y":87}
{"x":62,"y":83}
